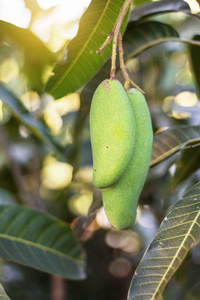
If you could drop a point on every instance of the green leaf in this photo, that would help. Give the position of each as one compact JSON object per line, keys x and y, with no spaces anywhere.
{"x":138,"y":38}
{"x":82,"y":61}
{"x":168,"y":142}
{"x":3,"y":295}
{"x":25,"y":117}
{"x":194,"y":58}
{"x":154,"y":8}
{"x":139,"y":2}
{"x":187,"y":163}
{"x":178,"y":233}
{"x":36,"y":54}
{"x":40,"y":241}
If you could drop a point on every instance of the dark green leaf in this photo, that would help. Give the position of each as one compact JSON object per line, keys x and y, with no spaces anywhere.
{"x":153,"y":8}
{"x":40,"y":241}
{"x":178,"y":233}
{"x":36,"y":54}
{"x":194,"y":58}
{"x":187,"y":163}
{"x":138,"y":38}
{"x":168,"y":142}
{"x":3,"y":295}
{"x":20,"y":112}
{"x":82,"y":61}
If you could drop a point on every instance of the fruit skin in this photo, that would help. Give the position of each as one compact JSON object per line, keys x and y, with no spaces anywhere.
{"x":112,"y":131}
{"x":120,"y":200}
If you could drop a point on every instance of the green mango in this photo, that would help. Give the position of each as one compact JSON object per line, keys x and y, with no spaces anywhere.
{"x":112,"y":131}
{"x":120,"y":200}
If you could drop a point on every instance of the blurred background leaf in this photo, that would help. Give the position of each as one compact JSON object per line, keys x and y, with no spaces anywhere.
{"x":170,"y":141}
{"x":194,"y":54}
{"x":186,"y":164}
{"x":165,"y":6}
{"x":36,"y":54}
{"x":22,"y":114}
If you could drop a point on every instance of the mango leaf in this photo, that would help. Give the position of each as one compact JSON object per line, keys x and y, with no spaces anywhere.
{"x":152,"y":8}
{"x":40,"y":241}
{"x":168,"y":142}
{"x":194,"y":55}
{"x":82,"y":61}
{"x":138,"y":38}
{"x":187,"y":163}
{"x":3,"y":295}
{"x":36,"y":54}
{"x":24,"y":116}
{"x":139,"y":2}
{"x":178,"y":233}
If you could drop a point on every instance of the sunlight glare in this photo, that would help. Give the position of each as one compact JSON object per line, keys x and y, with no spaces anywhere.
{"x":67,"y":10}
{"x":15,"y":12}
{"x":194,"y":6}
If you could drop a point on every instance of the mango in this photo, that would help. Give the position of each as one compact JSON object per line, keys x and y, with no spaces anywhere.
{"x":112,"y":131}
{"x":121,"y":199}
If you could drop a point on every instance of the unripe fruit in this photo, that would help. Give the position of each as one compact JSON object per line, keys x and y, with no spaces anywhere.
{"x":112,"y":130}
{"x":120,"y":200}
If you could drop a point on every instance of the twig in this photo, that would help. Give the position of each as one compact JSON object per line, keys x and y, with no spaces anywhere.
{"x":107,"y":41}
{"x":117,"y":25}
{"x":128,"y":81}
{"x":58,"y":288}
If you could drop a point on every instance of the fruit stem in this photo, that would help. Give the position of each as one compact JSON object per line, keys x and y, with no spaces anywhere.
{"x":114,"y":34}
{"x":128,"y":81}
{"x":123,"y":11}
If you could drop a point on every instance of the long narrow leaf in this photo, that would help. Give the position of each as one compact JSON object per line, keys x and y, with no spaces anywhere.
{"x":82,"y":61}
{"x":170,"y":141}
{"x":21,"y":113}
{"x":36,"y":54}
{"x":40,"y":241}
{"x":178,"y":233}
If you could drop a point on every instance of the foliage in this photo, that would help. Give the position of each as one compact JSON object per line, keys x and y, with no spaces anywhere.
{"x":51,"y":216}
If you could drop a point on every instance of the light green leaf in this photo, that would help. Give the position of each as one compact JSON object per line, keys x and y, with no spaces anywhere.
{"x":168,"y":142}
{"x":25,"y":117}
{"x":40,"y":241}
{"x":178,"y":233}
{"x":3,"y":295}
{"x":82,"y":61}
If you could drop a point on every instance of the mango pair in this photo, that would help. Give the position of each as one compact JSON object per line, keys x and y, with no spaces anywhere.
{"x":121,"y":139}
